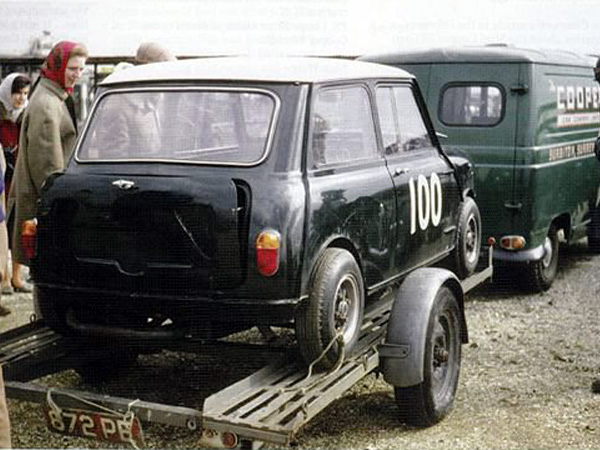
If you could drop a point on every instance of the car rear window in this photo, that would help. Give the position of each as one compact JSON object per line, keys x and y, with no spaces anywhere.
{"x":207,"y":126}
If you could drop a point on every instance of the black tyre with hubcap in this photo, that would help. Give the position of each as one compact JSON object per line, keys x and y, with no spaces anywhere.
{"x":468,"y":239}
{"x":593,"y":230}
{"x":541,"y":274}
{"x":333,"y":310}
{"x":430,"y":401}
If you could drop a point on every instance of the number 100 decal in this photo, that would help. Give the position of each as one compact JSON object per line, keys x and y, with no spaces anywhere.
{"x":425,"y":202}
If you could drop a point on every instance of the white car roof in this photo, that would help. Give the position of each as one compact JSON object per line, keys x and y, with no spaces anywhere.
{"x":272,"y":69}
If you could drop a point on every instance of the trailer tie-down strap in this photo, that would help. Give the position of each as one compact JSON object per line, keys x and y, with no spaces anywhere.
{"x":339,"y":337}
{"x":128,"y":416}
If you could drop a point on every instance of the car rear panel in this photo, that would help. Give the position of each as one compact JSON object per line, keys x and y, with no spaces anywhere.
{"x":143,"y":233}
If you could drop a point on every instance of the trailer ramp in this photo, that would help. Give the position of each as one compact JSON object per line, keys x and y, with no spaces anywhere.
{"x":274,"y":403}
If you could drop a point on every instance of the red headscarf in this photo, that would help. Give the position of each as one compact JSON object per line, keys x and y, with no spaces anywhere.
{"x":56,"y":63}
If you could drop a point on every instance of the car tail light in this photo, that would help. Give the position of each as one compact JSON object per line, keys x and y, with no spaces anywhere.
{"x":28,"y":235}
{"x":512,"y":242}
{"x":268,"y":243}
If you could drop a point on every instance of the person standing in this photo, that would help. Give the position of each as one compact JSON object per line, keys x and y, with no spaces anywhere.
{"x":48,"y":133}
{"x":4,"y":311}
{"x":14,"y":91}
{"x":4,"y":419}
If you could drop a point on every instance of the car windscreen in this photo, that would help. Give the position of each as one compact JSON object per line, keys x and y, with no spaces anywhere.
{"x":220,"y":126}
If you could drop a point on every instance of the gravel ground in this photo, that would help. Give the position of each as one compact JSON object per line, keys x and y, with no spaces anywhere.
{"x":525,"y":379}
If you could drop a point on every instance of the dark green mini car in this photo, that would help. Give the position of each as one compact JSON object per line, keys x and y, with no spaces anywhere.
{"x":208,"y":196}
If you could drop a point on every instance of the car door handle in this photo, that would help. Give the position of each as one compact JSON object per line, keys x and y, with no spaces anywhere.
{"x":401,"y":170}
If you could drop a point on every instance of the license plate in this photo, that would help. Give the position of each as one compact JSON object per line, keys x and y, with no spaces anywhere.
{"x":99,"y":426}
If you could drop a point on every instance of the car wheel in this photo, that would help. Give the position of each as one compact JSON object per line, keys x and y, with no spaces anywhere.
{"x":468,"y":239}
{"x":541,"y":274}
{"x":430,"y":401}
{"x":51,"y":312}
{"x":335,"y":306}
{"x":593,"y":231}
{"x":107,"y":365}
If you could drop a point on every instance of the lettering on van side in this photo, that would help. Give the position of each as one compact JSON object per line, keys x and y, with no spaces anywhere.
{"x":425,"y":202}
{"x":577,"y":105}
{"x":570,"y":151}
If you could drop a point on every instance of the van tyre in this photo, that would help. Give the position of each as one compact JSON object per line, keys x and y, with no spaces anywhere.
{"x":335,"y":305}
{"x":541,"y":274}
{"x":427,"y":403}
{"x":593,"y":231}
{"x":468,"y":239}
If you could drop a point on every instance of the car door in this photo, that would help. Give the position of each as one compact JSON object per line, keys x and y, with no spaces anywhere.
{"x":351,"y":196}
{"x":427,"y":195}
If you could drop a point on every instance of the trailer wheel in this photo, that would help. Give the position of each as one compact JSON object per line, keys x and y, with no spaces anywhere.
{"x":430,"y":401}
{"x":468,"y":239}
{"x":335,"y":305}
{"x":541,"y":274}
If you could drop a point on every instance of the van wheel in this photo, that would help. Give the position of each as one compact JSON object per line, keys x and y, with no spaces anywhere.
{"x":335,"y":305}
{"x":541,"y":274}
{"x":468,"y":239}
{"x":593,"y":231}
{"x":430,"y":401}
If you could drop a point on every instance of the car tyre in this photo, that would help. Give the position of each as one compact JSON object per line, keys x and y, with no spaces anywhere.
{"x":541,"y":274}
{"x":52,"y":313}
{"x":335,"y":304}
{"x":427,"y":403}
{"x":468,"y":239}
{"x":106,"y":366}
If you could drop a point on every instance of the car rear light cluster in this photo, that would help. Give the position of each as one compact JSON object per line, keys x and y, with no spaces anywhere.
{"x":268,"y":244}
{"x":28,"y":236}
{"x":512,"y":242}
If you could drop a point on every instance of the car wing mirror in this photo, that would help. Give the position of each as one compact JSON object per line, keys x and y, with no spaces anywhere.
{"x":597,"y":148}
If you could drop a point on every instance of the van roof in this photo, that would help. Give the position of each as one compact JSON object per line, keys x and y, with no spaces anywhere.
{"x":271,"y":69}
{"x":493,"y":53}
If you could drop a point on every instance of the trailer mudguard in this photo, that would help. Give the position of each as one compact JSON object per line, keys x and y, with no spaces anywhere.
{"x":401,"y":355}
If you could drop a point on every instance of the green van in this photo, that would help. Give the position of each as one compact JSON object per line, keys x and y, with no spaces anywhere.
{"x":528,"y":121}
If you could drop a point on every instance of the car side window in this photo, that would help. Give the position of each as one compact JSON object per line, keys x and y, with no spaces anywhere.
{"x":402,"y":125}
{"x":342,"y":126}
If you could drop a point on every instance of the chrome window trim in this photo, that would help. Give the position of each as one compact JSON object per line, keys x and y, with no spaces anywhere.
{"x":265,"y":153}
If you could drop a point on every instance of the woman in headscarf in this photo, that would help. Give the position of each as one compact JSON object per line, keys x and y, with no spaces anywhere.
{"x":48,"y":133}
{"x":14,"y":91}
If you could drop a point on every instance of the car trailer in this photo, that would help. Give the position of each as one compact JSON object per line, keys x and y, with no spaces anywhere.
{"x":269,"y":406}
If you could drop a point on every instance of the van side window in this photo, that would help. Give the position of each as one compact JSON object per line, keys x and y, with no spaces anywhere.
{"x":342,"y":126}
{"x":472,"y":105}
{"x":402,"y":126}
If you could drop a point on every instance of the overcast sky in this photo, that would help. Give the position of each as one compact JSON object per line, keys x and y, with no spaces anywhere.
{"x":309,"y":27}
